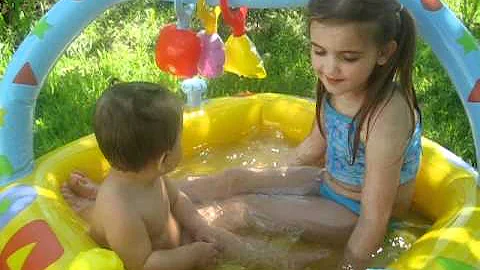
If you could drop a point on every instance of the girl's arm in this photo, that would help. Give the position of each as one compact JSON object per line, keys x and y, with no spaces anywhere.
{"x":384,"y":158}
{"x":311,"y":152}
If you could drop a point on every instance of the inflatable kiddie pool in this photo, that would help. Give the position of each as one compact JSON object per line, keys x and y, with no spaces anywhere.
{"x":39,"y":231}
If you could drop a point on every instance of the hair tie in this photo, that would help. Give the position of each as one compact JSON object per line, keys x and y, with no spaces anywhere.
{"x":400,"y":8}
{"x":398,"y":15}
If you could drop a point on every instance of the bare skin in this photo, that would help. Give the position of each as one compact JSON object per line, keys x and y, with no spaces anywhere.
{"x":166,"y":233}
{"x":278,"y":201}
{"x":273,"y":201}
{"x":382,"y":196}
{"x":312,"y":217}
{"x":147,"y":237}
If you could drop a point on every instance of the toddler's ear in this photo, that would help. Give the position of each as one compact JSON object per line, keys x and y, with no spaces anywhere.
{"x":386,"y":52}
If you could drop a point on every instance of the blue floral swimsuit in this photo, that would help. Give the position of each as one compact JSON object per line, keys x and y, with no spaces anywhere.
{"x":340,"y":156}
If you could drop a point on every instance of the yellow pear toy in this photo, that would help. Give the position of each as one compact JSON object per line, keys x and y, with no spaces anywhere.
{"x":241,"y":55}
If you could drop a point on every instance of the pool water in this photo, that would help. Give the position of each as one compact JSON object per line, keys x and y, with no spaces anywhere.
{"x":266,"y":147}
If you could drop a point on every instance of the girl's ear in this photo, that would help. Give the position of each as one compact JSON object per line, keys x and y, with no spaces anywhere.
{"x":386,"y":52}
{"x":161,"y":161}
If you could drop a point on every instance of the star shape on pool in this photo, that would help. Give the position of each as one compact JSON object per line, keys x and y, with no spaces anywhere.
{"x":2,"y":116}
{"x":6,"y":168}
{"x":4,"y":205}
{"x":41,"y":28}
{"x":468,"y":42}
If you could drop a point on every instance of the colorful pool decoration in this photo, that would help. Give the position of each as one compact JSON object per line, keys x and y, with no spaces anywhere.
{"x":178,"y":48}
{"x":34,"y":246}
{"x":38,"y":229}
{"x":13,"y":201}
{"x":242,"y":57}
{"x":212,"y":57}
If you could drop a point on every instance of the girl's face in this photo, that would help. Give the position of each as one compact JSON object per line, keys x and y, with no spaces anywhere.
{"x":344,"y":55}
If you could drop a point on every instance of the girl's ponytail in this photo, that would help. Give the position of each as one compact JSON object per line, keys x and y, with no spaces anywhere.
{"x":406,"y":39}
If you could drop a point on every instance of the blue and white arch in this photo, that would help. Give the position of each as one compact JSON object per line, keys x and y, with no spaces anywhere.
{"x":456,"y":48}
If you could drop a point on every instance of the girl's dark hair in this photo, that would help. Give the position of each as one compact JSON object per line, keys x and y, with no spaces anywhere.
{"x":392,"y":22}
{"x":135,"y":123}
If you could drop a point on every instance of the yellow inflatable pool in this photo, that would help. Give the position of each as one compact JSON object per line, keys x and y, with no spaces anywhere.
{"x":39,"y":231}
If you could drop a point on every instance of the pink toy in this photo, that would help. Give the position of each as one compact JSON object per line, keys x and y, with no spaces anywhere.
{"x":212,"y":58}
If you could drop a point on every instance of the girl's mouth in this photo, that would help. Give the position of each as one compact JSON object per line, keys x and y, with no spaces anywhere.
{"x":333,"y":80}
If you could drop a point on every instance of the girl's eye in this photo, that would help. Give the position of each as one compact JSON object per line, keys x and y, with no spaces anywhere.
{"x":319,"y":52}
{"x":349,"y":58}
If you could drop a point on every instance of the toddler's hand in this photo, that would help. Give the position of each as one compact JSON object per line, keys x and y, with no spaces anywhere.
{"x":207,"y":254}
{"x":205,"y":234}
{"x":210,"y":235}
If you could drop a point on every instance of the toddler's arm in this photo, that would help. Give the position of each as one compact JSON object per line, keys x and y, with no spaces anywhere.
{"x":254,"y":253}
{"x":126,"y":234}
{"x":184,"y":211}
{"x":247,"y":252}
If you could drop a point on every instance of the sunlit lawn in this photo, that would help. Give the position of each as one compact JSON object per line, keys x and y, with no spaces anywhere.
{"x":120,"y":45}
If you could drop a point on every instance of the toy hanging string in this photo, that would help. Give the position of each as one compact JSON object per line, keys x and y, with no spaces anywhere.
{"x":208,"y":17}
{"x":212,"y":58}
{"x":178,"y":48}
{"x":184,"y":14}
{"x":242,"y":57}
{"x":235,"y":18}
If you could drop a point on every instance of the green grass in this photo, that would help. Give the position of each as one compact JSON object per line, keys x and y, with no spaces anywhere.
{"x":120,"y":45}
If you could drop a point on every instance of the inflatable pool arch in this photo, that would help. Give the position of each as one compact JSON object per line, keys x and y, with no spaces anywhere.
{"x":38,"y":231}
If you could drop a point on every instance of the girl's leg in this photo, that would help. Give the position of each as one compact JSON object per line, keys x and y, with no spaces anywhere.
{"x":310,"y":218}
{"x":80,"y":193}
{"x":231,"y":182}
{"x":279,"y":200}
{"x":252,"y":252}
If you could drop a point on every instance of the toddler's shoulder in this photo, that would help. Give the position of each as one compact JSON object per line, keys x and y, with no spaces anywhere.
{"x":111,"y":198}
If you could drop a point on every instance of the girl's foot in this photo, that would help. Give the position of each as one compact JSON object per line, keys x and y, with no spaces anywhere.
{"x":79,"y":192}
{"x":83,"y":186}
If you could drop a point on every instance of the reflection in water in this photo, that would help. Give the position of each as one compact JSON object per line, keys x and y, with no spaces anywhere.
{"x":264,"y":148}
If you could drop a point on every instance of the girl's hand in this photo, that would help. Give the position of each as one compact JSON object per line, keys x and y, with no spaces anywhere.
{"x":293,"y":158}
{"x":351,"y":262}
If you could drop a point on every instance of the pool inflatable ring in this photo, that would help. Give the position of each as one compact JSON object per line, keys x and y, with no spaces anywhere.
{"x":39,"y":231}
{"x":446,"y":188}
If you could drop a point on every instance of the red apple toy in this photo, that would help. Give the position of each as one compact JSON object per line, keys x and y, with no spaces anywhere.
{"x":178,"y":51}
{"x":432,"y":5}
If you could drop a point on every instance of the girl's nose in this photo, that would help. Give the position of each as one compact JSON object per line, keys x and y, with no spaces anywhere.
{"x":330,"y":66}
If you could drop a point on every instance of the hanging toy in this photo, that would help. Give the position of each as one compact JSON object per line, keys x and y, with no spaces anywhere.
{"x":242,"y":57}
{"x":194,"y":88}
{"x":178,"y":49}
{"x":212,"y":57}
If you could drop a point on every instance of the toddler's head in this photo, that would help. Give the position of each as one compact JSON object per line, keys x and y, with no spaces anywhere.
{"x":137,"y":123}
